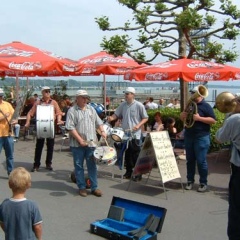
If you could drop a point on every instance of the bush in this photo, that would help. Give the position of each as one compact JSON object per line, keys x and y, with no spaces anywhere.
{"x":175,"y":113}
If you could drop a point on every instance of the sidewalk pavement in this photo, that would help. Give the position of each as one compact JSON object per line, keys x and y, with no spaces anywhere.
{"x":66,"y":215}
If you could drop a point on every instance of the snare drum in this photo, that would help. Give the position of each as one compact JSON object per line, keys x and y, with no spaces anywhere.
{"x":107,"y":128}
{"x":45,"y":121}
{"x":105,"y":155}
{"x":117,"y":134}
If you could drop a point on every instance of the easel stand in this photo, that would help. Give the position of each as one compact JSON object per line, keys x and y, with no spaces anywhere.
{"x":157,"y":147}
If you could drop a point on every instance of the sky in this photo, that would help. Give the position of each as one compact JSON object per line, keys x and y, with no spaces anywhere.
{"x":66,"y":28}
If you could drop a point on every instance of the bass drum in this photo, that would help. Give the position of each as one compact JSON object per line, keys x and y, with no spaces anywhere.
{"x":45,"y":121}
{"x":105,"y":155}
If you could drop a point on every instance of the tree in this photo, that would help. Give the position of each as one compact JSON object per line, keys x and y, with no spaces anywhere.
{"x":175,"y":29}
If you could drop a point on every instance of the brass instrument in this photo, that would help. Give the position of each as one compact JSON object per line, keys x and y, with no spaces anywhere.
{"x":225,"y":102}
{"x":191,"y":107}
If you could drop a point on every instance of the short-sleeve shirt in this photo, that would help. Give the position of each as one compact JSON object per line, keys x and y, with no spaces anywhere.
{"x":84,"y":121}
{"x":200,"y":129}
{"x":5,"y":107}
{"x":131,"y":115}
{"x":19,"y":217}
{"x":230,"y":131}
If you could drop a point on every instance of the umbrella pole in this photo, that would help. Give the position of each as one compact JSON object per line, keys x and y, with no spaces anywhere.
{"x":104,"y":92}
{"x":17,"y":87}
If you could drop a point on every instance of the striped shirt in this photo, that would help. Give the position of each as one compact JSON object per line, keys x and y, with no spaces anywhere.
{"x":85,"y":122}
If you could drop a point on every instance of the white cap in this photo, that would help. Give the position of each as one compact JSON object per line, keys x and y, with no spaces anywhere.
{"x":1,"y":92}
{"x":130,"y":90}
{"x":195,"y":89}
{"x":82,"y":93}
{"x":45,"y":88}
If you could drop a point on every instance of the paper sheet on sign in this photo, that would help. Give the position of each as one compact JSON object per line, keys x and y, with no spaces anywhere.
{"x":164,"y":154}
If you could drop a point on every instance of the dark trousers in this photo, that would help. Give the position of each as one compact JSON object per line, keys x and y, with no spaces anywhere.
{"x":234,"y":204}
{"x":131,"y":154}
{"x":39,"y":148}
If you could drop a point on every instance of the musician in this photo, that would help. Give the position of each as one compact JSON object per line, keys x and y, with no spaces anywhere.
{"x":197,"y":141}
{"x":230,"y":132}
{"x":6,"y":139}
{"x":82,"y":123}
{"x":134,"y":116}
{"x":45,"y":100}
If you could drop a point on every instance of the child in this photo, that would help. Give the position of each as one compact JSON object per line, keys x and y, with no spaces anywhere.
{"x":20,"y":218}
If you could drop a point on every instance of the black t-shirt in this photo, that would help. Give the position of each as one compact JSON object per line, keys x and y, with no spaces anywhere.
{"x":200,"y":129}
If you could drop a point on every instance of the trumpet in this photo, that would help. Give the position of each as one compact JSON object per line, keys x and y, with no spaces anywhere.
{"x":191,"y":107}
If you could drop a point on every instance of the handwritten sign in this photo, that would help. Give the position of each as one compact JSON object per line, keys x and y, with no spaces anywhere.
{"x":145,"y":159}
{"x":164,"y":154}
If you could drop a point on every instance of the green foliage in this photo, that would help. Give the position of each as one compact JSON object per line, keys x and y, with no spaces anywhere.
{"x":166,"y":28}
{"x":175,"y":113}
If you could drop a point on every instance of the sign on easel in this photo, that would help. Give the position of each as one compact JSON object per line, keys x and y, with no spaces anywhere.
{"x":157,"y":146}
{"x":165,"y":157}
{"x":145,"y":159}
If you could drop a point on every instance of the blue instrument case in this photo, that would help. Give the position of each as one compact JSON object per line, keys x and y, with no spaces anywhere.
{"x":130,"y":220}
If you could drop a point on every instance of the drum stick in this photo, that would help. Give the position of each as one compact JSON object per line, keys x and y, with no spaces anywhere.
{"x":106,"y":141}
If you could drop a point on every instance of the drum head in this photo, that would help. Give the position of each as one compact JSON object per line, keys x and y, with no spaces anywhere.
{"x":117,"y":134}
{"x":105,"y":155}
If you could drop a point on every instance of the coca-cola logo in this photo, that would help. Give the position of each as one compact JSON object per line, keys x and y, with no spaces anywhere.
{"x":156,"y":76}
{"x":122,"y":70}
{"x":89,"y":70}
{"x":237,"y":76}
{"x":199,"y":64}
{"x":210,"y":76}
{"x":10,"y":51}
{"x":69,"y":68}
{"x":26,"y":66}
{"x":103,"y":60}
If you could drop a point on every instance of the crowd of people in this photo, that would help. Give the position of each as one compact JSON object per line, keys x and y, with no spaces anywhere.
{"x":83,"y":122}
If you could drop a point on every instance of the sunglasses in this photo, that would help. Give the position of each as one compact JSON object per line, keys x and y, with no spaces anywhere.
{"x":47,"y":91}
{"x":127,"y":93}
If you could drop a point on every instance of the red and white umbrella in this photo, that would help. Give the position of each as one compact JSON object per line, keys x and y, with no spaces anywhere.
{"x":189,"y":70}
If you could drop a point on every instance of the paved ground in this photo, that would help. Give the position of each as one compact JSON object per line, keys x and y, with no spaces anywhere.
{"x":190,"y":215}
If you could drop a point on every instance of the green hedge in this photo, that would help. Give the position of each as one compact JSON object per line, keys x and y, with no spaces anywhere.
{"x":175,"y":113}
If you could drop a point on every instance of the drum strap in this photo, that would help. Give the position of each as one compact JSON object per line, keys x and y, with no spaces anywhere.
{"x":41,"y":102}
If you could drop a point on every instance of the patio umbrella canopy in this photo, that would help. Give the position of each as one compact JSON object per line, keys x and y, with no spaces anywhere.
{"x":104,"y":63}
{"x":19,"y":59}
{"x":187,"y":69}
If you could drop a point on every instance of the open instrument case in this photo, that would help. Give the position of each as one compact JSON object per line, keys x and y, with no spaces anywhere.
{"x":128,"y":220}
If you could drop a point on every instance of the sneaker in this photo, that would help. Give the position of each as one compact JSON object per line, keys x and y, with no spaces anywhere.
{"x":189,"y":186}
{"x":49,"y":167}
{"x":83,"y":192}
{"x":97,"y":193}
{"x":202,"y":188}
{"x":35,"y":169}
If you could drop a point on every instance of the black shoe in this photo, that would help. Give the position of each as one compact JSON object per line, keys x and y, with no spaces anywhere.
{"x":49,"y":167}
{"x":35,"y":169}
{"x":127,"y":175}
{"x":137,"y":178}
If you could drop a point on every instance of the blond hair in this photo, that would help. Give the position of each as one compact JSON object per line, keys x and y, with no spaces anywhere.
{"x":19,"y":180}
